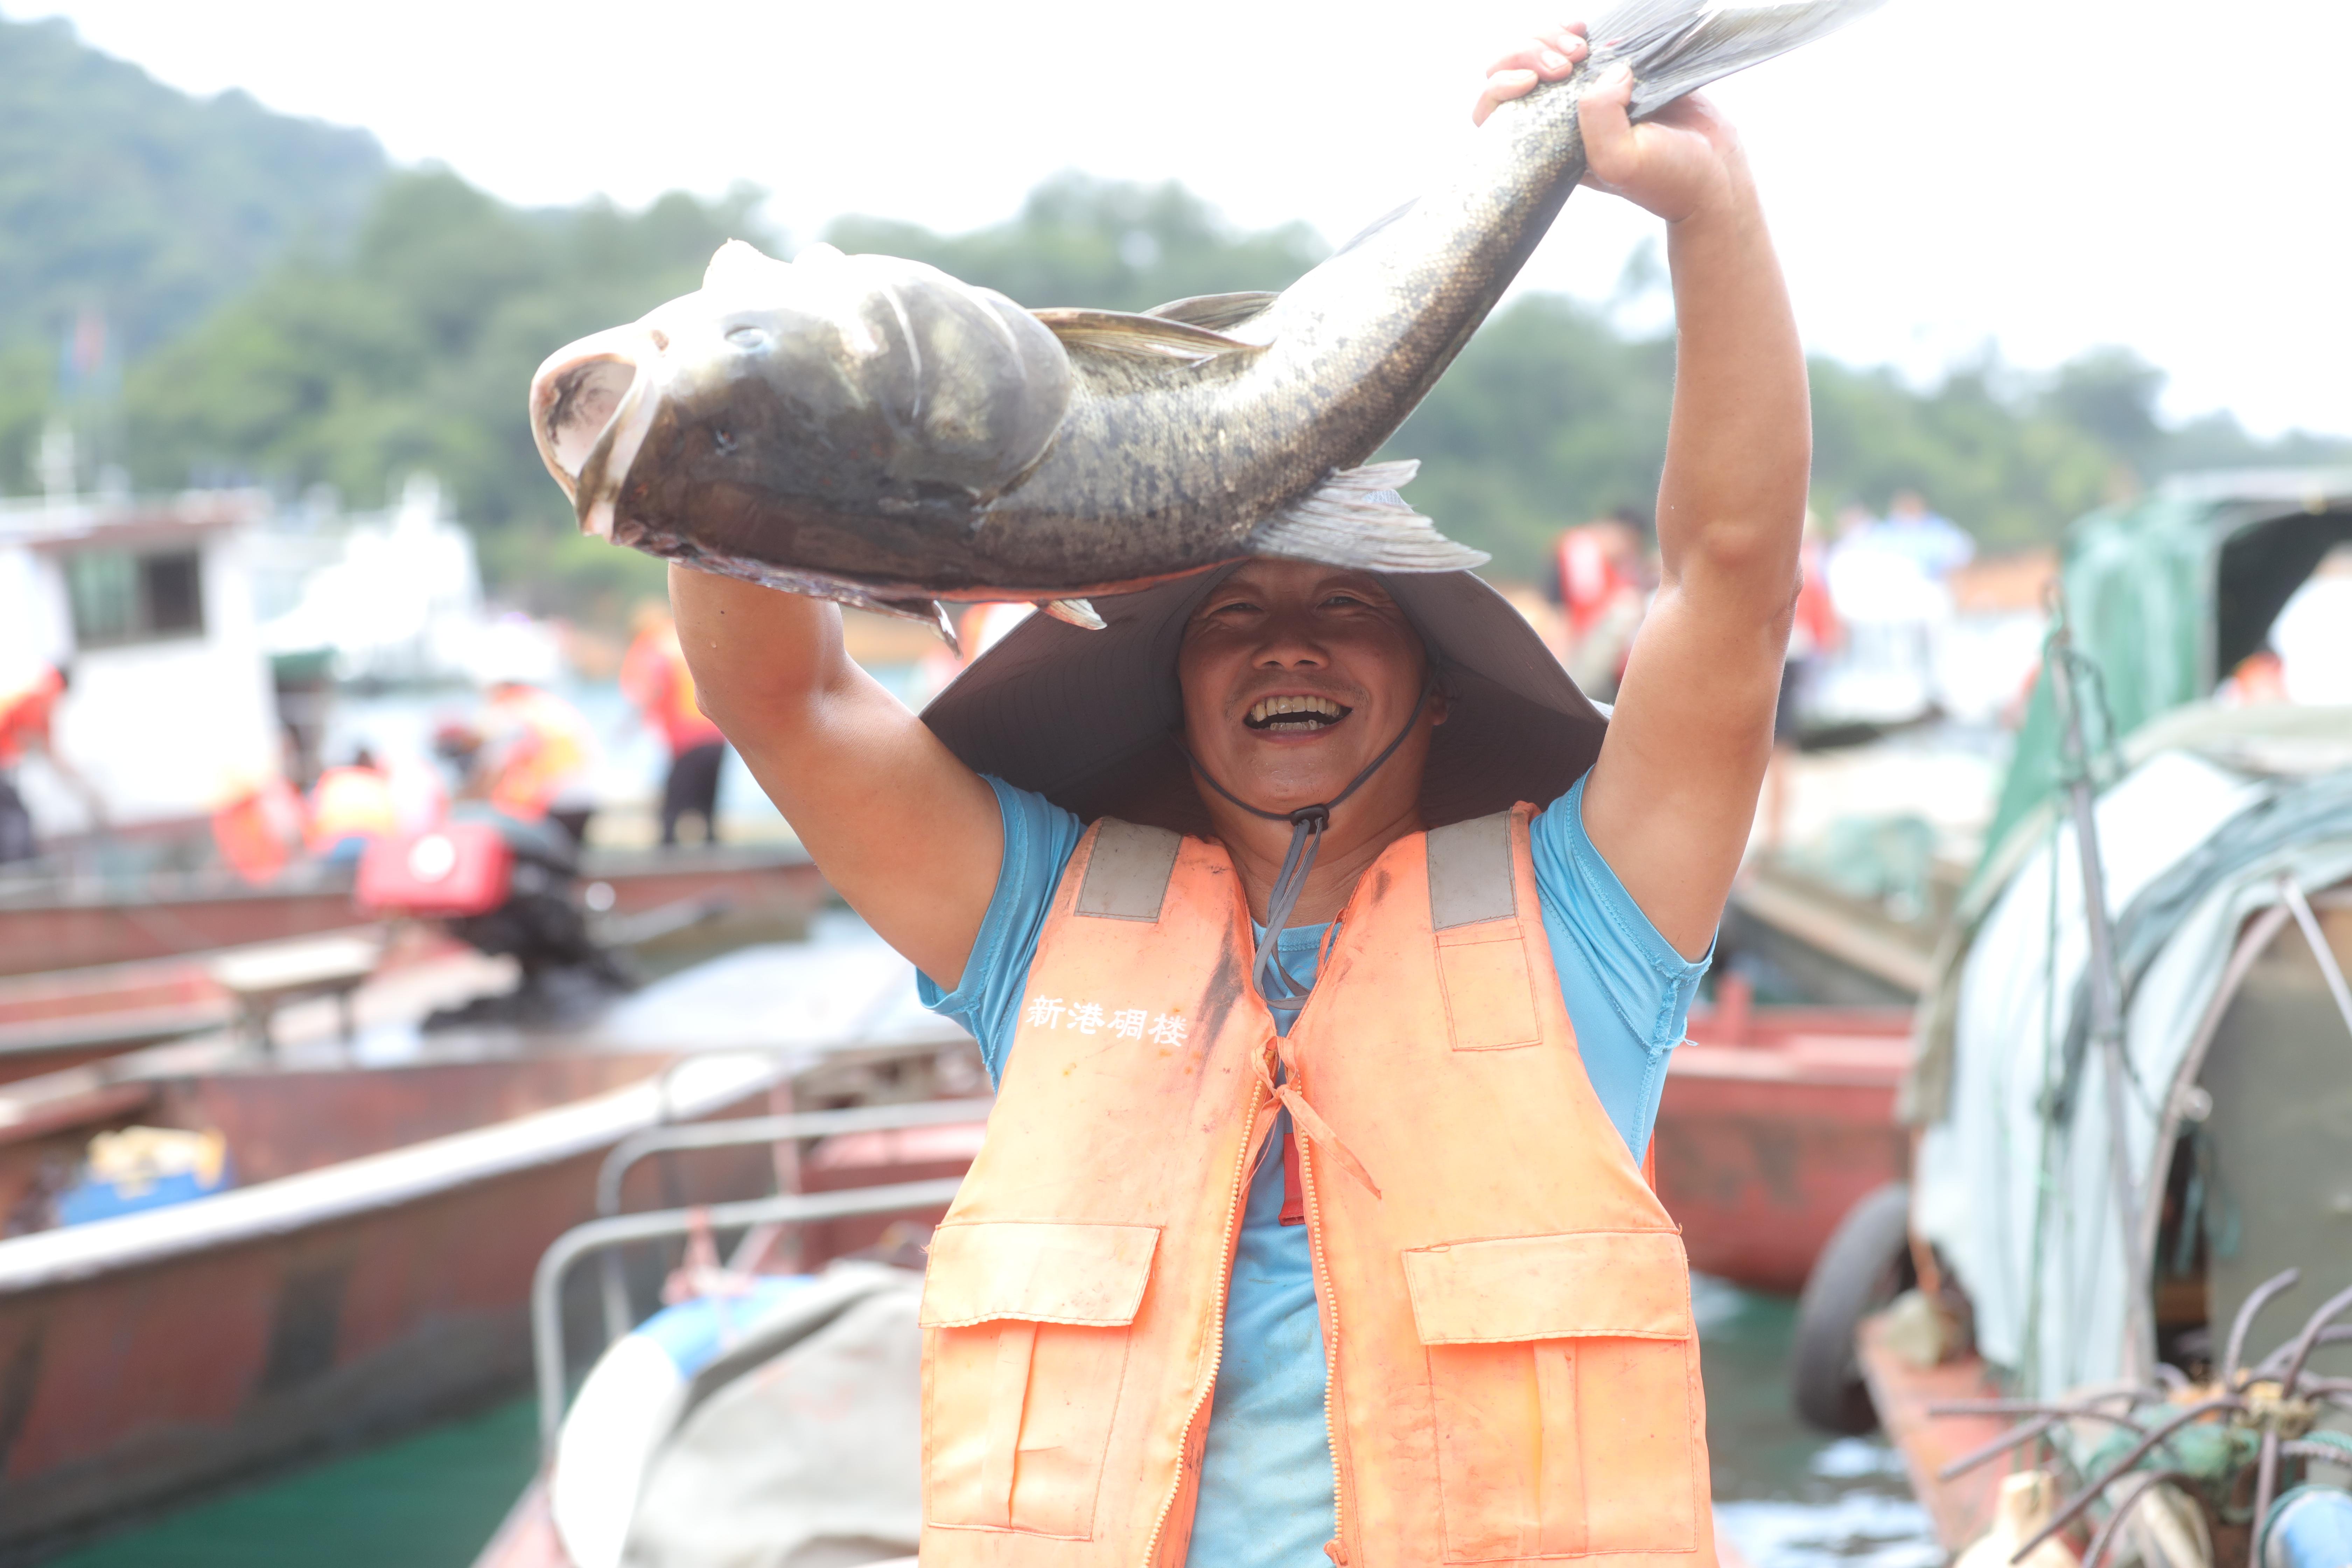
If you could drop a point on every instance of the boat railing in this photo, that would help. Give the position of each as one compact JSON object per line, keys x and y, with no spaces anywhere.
{"x":602,"y":1235}
{"x":737,"y":1132}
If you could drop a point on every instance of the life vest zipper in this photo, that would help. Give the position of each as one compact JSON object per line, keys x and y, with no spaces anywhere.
{"x":1338,"y":1549}
{"x":1216,"y":1326}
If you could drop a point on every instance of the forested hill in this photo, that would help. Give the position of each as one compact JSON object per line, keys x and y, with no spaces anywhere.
{"x":124,"y":195}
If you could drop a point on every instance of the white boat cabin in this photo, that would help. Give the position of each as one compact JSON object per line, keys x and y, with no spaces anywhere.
{"x":171,"y":708}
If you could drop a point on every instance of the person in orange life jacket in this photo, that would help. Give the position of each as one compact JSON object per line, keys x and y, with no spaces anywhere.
{"x":351,"y":805}
{"x":1246,"y":899}
{"x":26,"y":713}
{"x":535,"y":757}
{"x":654,"y":677}
{"x":1603,"y":590}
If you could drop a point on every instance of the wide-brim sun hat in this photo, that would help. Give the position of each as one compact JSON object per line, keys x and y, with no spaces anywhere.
{"x":1090,"y":720}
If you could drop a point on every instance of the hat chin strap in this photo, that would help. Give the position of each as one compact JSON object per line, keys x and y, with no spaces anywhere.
{"x":1306,"y":828}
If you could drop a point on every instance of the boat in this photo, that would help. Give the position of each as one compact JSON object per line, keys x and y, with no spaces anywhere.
{"x":1774,"y":1122}
{"x":48,"y":1022}
{"x":756,"y":892}
{"x":365,"y":1264}
{"x":1832,"y":946}
{"x":2119,"y":1278}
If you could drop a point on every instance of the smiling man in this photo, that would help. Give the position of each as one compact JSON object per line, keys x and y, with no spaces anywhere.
{"x":1328,"y":948}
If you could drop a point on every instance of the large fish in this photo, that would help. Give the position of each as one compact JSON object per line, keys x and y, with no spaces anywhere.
{"x":872,"y":430}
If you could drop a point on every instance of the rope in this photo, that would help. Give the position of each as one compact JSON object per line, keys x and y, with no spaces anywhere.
{"x":1307,"y":825}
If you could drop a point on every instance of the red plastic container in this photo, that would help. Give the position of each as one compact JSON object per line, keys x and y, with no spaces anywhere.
{"x":457,"y":868}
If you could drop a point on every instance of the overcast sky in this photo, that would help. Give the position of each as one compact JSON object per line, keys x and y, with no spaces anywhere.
{"x":2045,"y":175}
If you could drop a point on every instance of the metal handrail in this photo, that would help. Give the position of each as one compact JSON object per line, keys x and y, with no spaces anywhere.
{"x":619,"y":1230}
{"x":742,"y":1129}
{"x":747,"y":1130}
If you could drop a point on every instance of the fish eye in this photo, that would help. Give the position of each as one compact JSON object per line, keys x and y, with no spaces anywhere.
{"x":748,"y":336}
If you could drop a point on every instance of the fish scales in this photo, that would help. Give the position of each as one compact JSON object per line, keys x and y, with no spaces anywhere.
{"x":875,"y":431}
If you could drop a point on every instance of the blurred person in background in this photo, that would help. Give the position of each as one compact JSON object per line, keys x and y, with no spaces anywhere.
{"x":656,"y":682}
{"x":351,"y":805}
{"x":257,"y":826}
{"x":1814,"y":635}
{"x":2259,"y":679}
{"x":1886,"y":578}
{"x":536,"y":757}
{"x":1604,"y":584}
{"x":1933,"y":542}
{"x":27,"y":707}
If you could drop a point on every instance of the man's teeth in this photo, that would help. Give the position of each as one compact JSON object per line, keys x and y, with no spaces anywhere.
{"x":1308,"y":710}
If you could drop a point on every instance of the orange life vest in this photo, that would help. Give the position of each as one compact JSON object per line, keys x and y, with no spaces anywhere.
{"x":24,"y":713}
{"x":256,"y":828}
{"x":350,"y":802}
{"x":544,"y":748}
{"x":654,"y":674}
{"x":1514,"y":1370}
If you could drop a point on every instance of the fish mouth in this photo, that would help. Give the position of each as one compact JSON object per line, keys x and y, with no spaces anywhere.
{"x":591,"y":404}
{"x":1294,"y":713}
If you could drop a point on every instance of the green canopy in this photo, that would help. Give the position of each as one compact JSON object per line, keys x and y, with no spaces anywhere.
{"x":2166,"y":595}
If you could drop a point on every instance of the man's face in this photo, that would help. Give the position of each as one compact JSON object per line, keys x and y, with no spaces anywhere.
{"x":1295,"y":677}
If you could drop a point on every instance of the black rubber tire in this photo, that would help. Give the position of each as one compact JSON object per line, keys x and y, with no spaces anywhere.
{"x":1866,"y":1265}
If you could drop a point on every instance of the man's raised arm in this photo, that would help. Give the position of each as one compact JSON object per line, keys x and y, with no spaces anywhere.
{"x":1671,"y":800}
{"x":906,"y":832}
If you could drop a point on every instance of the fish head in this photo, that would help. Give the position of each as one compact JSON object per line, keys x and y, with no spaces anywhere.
{"x":833,"y":386}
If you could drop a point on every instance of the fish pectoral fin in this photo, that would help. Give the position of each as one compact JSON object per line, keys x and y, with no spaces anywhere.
{"x":1139,"y":337}
{"x":1218,"y":313}
{"x":1077,"y":612}
{"x":931,"y":612}
{"x":1355,"y":518}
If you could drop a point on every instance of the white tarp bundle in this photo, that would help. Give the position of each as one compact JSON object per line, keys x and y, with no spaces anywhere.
{"x":2019,"y":1203}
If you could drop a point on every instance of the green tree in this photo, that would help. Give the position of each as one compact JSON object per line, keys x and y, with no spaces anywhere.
{"x":119,"y":193}
{"x":2110,"y":393}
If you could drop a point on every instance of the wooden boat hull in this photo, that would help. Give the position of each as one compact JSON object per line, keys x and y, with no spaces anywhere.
{"x":163,"y":916}
{"x":145,"y":1359}
{"x":1962,"y":1507}
{"x":1762,"y":1145}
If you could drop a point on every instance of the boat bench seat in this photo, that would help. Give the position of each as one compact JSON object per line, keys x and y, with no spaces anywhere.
{"x":260,"y":979}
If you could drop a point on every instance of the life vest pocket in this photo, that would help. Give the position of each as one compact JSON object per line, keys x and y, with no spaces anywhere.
{"x":1489,"y":998}
{"x":1564,"y":1389}
{"x":1026,"y":1329}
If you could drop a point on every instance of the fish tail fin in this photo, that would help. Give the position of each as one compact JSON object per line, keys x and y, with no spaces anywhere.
{"x":1355,"y":518}
{"x":1677,"y":46}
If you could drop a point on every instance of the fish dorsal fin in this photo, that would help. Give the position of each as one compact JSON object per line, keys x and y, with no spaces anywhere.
{"x":1139,"y":337}
{"x":1355,"y":518}
{"x":1218,"y":313}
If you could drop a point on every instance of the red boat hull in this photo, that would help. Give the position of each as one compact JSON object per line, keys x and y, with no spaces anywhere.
{"x":1774,"y":1123}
